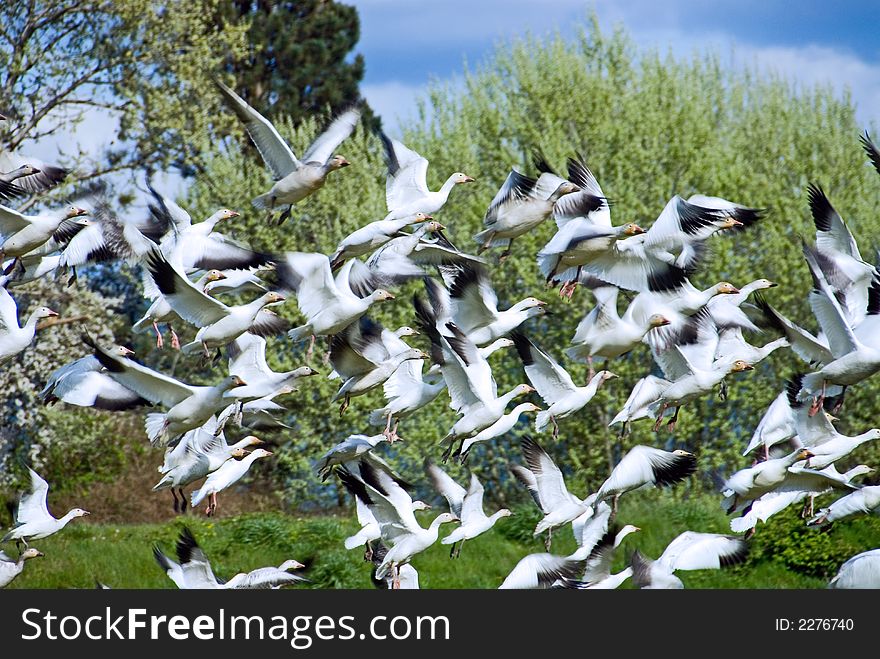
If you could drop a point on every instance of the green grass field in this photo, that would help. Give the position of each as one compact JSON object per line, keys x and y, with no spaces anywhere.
{"x":784,"y":553}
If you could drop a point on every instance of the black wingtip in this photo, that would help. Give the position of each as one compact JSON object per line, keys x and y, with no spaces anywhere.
{"x":793,"y":387}
{"x":186,"y":545}
{"x":523,"y":347}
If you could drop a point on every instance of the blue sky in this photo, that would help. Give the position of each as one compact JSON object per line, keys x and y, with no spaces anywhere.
{"x":408,"y":42}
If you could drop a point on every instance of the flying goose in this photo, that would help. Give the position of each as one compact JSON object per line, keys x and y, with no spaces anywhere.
{"x":160,"y":310}
{"x":542,"y":571}
{"x":194,"y":570}
{"x":865,"y":500}
{"x":369,"y":531}
{"x":218,"y":323}
{"x":83,"y":383}
{"x":597,"y":575}
{"x":466,"y":505}
{"x":371,"y":237}
{"x":646,"y":465}
{"x":247,"y":360}
{"x":9,"y":568}
{"x":547,"y":486}
{"x":406,"y":187}
{"x":392,"y":508}
{"x":229,"y":473}
{"x":14,"y":338}
{"x":860,"y":571}
{"x":32,"y":518}
{"x":189,"y":406}
{"x":329,"y":305}
{"x":516,"y":209}
{"x":502,"y":426}
{"x":407,"y":575}
{"x":776,"y":426}
{"x":20,"y":234}
{"x":689,"y":551}
{"x":29,"y":175}
{"x":554,"y":385}
{"x":295,"y":179}
{"x":349,"y":449}
{"x":363,"y":360}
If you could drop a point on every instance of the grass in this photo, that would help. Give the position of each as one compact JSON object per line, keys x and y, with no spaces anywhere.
{"x":784,"y":554}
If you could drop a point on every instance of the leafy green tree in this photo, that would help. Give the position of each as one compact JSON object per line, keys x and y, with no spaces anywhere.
{"x":298,"y":58}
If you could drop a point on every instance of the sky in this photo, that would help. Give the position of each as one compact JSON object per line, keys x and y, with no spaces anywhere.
{"x":407,"y":43}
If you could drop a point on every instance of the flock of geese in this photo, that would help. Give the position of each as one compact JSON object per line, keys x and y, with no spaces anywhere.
{"x":697,"y":339}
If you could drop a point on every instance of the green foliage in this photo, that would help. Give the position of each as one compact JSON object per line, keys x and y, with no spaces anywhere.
{"x":297,"y":58}
{"x":649,"y":126}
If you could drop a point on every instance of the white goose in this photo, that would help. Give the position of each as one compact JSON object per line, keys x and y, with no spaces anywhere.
{"x":406,"y":188}
{"x":189,"y":406}
{"x":860,"y":571}
{"x":33,"y":521}
{"x":229,"y":473}
{"x":83,"y":383}
{"x":369,"y":531}
{"x":547,"y":486}
{"x":19,"y":233}
{"x":14,"y":338}
{"x":502,"y":426}
{"x":329,"y":305}
{"x":9,"y":568}
{"x":218,"y":323}
{"x":865,"y":501}
{"x":350,"y":448}
{"x":776,"y":426}
{"x":598,"y":574}
{"x":466,"y":505}
{"x":392,"y":507}
{"x":371,"y":237}
{"x":554,"y":385}
{"x":247,"y":360}
{"x":689,"y":551}
{"x":542,"y":571}
{"x":646,"y":465}
{"x":295,"y":179}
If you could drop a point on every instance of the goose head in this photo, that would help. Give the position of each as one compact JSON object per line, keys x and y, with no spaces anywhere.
{"x":522,"y":390}
{"x":631,"y":229}
{"x":291,"y":565}
{"x":858,"y":470}
{"x":233,"y":381}
{"x":761,"y":284}
{"x":304,"y":372}
{"x":237,"y":453}
{"x":214,"y":275}
{"x":504,"y":512}
{"x":74,"y":211}
{"x":121,"y":351}
{"x":566,"y":187}
{"x":527,"y":407}
{"x":726,"y":288}
{"x":418,"y":218}
{"x":250,"y":440}
{"x":420,"y":505}
{"x":728,"y":222}
{"x":532,"y":305}
{"x":381,"y":295}
{"x":26,"y":170}
{"x":625,"y":531}
{"x":461,"y":177}
{"x":740,"y":365}
{"x":273,"y":298}
{"x":79,"y":512}
{"x":30,"y":552}
{"x":432,"y":226}
{"x":603,"y":376}
{"x":256,"y":454}
{"x":405,"y":330}
{"x":444,"y":518}
{"x":43,"y":312}
{"x":337,"y":162}
{"x":658,"y":320}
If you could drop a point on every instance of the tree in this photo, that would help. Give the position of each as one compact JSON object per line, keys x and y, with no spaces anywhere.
{"x":649,"y":126}
{"x":297,"y":62}
{"x":141,"y":65}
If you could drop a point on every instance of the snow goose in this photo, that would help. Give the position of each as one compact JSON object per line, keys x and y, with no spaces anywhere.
{"x":371,"y":237}
{"x":188,"y":406}
{"x":407,"y":575}
{"x":351,"y":448}
{"x":860,"y":571}
{"x":369,"y":531}
{"x":776,"y":475}
{"x":20,"y":234}
{"x":14,"y":338}
{"x":202,"y":453}
{"x":83,"y":383}
{"x":404,"y":257}
{"x":726,"y":310}
{"x":8,"y":189}
{"x":329,"y":305}
{"x":406,"y":392}
{"x":776,"y":426}
{"x":838,"y":256}
{"x":732,"y":342}
{"x":257,"y":414}
{"x":466,"y":505}
{"x":229,"y":473}
{"x":160,"y":310}
{"x":646,"y":465}
{"x":502,"y":426}
{"x":295,"y":179}
{"x":237,"y":282}
{"x":516,"y":209}
{"x":865,"y":500}
{"x":542,"y":571}
{"x":31,"y":176}
{"x":771,"y":503}
{"x":474,"y":307}
{"x":604,"y":333}
{"x":689,"y":551}
{"x":547,"y":486}
{"x":406,"y":187}
{"x":195,"y":570}
{"x":639,"y":403}
{"x":853,"y":360}
{"x":9,"y":569}
{"x":392,"y":508}
{"x":32,"y":518}
{"x":247,"y":360}
{"x":554,"y":385}
{"x":363,"y":360}
{"x":686,"y":300}
{"x":597,"y":575}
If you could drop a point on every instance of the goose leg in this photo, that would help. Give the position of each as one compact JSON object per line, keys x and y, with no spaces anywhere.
{"x":175,"y":340}
{"x":176,"y":505}
{"x":659,"y":417}
{"x":394,"y":435}
{"x":396,"y":579}
{"x":458,"y":551}
{"x":344,"y":406}
{"x":387,"y":432}
{"x":213,"y":503}
{"x":506,"y":252}
{"x":160,"y":342}
{"x":590,"y":364}
{"x":182,"y":500}
{"x":614,"y":505}
{"x":73,"y":277}
{"x":817,"y":402}
{"x":548,"y":540}
{"x":284,"y":215}
{"x":368,"y":552}
{"x":452,"y":551}
{"x":750,"y":533}
{"x":671,"y":425}
{"x":555,"y":428}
